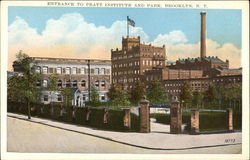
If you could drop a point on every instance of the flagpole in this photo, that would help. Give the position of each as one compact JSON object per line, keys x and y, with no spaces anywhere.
{"x":127,"y":28}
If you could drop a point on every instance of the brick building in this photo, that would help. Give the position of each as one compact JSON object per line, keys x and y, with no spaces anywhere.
{"x":130,"y":63}
{"x":73,"y":73}
{"x":147,"y":63}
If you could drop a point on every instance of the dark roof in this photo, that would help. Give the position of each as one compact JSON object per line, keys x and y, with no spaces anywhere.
{"x":215,"y":59}
{"x":192,"y":60}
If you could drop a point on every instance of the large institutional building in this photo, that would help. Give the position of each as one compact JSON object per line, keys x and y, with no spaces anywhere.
{"x":136,"y":61}
{"x":73,"y":73}
{"x":130,"y":63}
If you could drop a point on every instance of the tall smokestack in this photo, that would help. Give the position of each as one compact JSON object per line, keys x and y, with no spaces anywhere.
{"x":203,"y":34}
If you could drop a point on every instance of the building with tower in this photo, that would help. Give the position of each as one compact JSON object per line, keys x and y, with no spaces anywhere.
{"x":131,"y":62}
{"x":147,"y":63}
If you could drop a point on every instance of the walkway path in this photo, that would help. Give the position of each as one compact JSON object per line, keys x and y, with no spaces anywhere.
{"x":158,"y":139}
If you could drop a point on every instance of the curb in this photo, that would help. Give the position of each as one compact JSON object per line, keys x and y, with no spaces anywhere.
{"x":125,"y":143}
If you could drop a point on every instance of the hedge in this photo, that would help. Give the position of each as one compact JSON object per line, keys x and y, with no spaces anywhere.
{"x":115,"y":117}
{"x":208,"y":121}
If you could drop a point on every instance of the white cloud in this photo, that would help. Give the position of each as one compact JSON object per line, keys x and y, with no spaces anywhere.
{"x":71,"y":36}
{"x":173,"y":37}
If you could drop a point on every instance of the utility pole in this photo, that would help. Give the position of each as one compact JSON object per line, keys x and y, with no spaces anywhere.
{"x":89,"y":78}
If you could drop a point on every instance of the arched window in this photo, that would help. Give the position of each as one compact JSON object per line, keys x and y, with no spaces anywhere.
{"x":68,"y":83}
{"x":83,"y":83}
{"x":38,"y":83}
{"x":97,"y":83}
{"x":103,"y":83}
{"x":59,"y":83}
{"x":45,"y":83}
{"x":75,"y":83}
{"x":38,"y":69}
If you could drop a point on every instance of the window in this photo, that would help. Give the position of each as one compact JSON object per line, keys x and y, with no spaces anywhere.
{"x":75,"y":83}
{"x":38,"y":83}
{"x":45,"y":83}
{"x":38,"y":69}
{"x":83,"y":97}
{"x":59,"y":70}
{"x":74,"y":70}
{"x":59,"y":83}
{"x":45,"y":98}
{"x":67,"y":71}
{"x":97,"y":71}
{"x":103,"y":83}
{"x":103,"y":70}
{"x":103,"y":97}
{"x":83,"y":71}
{"x":97,"y":83}
{"x":59,"y":98}
{"x":45,"y":70}
{"x":83,"y":83}
{"x":107,"y":71}
{"x":68,"y":83}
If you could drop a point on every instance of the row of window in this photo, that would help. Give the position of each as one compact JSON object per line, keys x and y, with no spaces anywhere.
{"x":75,"y":83}
{"x":126,"y":72}
{"x":230,"y":80}
{"x":59,"y":98}
{"x":137,"y":63}
{"x":71,"y":70}
{"x":125,"y":80}
{"x":138,"y":55}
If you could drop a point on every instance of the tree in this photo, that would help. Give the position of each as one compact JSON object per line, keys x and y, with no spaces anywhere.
{"x":52,"y":88}
{"x":117,"y":96}
{"x":94,"y":96}
{"x":186,"y":93}
{"x":197,"y":98}
{"x":209,"y":95}
{"x":156,"y":93}
{"x":137,"y":92}
{"x":23,"y":88}
{"x":233,"y":93}
{"x":67,"y":94}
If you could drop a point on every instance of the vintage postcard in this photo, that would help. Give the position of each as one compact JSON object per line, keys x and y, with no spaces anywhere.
{"x":124,"y":80}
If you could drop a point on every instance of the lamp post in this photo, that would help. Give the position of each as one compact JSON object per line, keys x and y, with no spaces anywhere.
{"x":89,"y":79}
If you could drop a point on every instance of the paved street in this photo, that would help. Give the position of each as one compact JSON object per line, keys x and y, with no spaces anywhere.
{"x":26,"y":136}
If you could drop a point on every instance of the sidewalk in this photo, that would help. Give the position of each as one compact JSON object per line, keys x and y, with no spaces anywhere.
{"x":158,"y":139}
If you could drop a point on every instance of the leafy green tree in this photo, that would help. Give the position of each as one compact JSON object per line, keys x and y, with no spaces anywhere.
{"x":209,"y":95}
{"x":156,"y":93}
{"x":67,"y":94}
{"x":23,"y":88}
{"x":118,"y":97}
{"x":137,"y":92}
{"x":197,"y":98}
{"x":186,"y":93}
{"x":52,"y":88}
{"x":94,"y":96}
{"x":233,"y":93}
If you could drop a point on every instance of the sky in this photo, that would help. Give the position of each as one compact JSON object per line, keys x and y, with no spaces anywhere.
{"x":92,"y":32}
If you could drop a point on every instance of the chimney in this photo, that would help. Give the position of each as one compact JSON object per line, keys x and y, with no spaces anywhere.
{"x":203,"y":34}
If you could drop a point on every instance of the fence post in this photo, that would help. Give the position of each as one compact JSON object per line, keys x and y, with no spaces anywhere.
{"x":176,"y":116}
{"x":61,"y":110}
{"x":194,"y":121}
{"x":230,"y":119}
{"x":127,"y":118}
{"x":105,"y":115}
{"x":144,"y":116}
{"x":73,"y":112}
{"x":52,"y":109}
{"x":42,"y":109}
{"x":88,"y":114}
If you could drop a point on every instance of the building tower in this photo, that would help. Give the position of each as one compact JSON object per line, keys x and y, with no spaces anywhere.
{"x":203,"y":35}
